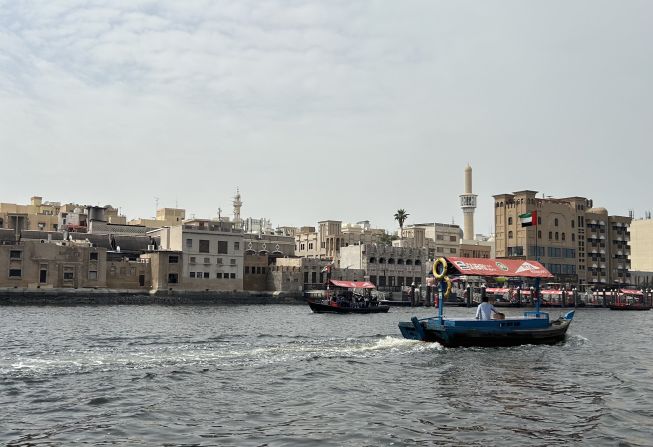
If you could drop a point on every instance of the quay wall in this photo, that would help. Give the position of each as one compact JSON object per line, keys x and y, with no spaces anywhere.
{"x":77,"y":297}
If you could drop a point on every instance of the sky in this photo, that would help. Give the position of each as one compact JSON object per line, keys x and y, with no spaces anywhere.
{"x":315,"y":110}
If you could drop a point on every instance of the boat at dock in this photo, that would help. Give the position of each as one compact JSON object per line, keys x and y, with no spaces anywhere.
{"x":630,"y":299}
{"x":348,"y":297}
{"x":535,"y":327}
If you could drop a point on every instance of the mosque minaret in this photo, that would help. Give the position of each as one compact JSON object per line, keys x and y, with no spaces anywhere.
{"x":237,"y":206}
{"x":468,"y":204}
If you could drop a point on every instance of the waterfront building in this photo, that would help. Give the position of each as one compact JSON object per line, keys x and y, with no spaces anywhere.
{"x":298,"y":274}
{"x":641,"y":244}
{"x":212,"y":253}
{"x":579,"y":244}
{"x":386,"y":266}
{"x":331,"y":235}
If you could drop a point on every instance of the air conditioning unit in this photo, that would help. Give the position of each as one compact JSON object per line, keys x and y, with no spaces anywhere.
{"x":150,"y":247}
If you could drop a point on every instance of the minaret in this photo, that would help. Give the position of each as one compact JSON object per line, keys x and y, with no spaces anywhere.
{"x":468,"y":204}
{"x":237,"y":205}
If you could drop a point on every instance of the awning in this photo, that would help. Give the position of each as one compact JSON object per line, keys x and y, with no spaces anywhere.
{"x":497,"y":267}
{"x":499,"y":290}
{"x":632,"y":292}
{"x":353,"y":284}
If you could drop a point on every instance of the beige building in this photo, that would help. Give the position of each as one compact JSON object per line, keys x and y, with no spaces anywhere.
{"x":641,"y":244}
{"x":331,"y":235}
{"x":387,"y":266}
{"x":212,"y":253}
{"x":165,"y":217}
{"x":577,"y":243}
{"x":295,"y":274}
{"x":437,"y":238}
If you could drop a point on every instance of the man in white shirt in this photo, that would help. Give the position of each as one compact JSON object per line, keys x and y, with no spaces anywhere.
{"x":484,"y":310}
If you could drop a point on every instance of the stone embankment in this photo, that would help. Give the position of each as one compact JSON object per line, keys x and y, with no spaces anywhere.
{"x":77,"y":297}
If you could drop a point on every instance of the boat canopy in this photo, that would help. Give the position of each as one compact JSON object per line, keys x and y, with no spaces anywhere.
{"x":353,"y":284}
{"x":496,"y":267}
{"x":632,"y":292}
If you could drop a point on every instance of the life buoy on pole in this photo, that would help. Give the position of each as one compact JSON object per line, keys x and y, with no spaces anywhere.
{"x":440,"y":268}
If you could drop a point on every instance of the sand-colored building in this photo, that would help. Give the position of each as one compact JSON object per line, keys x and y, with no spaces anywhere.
{"x":579,"y":244}
{"x":165,"y":217}
{"x":331,"y":235}
{"x":641,"y":245}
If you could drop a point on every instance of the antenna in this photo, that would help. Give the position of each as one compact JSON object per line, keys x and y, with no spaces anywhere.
{"x":156,"y":204}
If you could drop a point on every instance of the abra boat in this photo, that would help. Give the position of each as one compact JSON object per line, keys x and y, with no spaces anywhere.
{"x":630,"y":299}
{"x":348,"y":297}
{"x":534,"y":327}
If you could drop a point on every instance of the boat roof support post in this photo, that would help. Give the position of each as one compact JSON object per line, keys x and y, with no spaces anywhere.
{"x":537,"y":292}
{"x":441,"y":300}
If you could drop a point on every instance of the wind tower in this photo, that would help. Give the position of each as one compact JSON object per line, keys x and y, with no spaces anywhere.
{"x":237,"y":205}
{"x":468,"y":204}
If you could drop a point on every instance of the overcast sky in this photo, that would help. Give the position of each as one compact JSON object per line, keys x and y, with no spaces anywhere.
{"x":344,"y":110}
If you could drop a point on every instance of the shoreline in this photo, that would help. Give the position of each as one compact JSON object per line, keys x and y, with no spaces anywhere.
{"x":83,"y":297}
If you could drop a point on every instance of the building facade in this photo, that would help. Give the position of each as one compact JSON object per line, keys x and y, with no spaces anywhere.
{"x":331,"y":236}
{"x":212,"y":253}
{"x":577,"y":243}
{"x":641,"y":251}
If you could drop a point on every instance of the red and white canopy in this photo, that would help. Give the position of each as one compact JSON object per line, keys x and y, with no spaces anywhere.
{"x":353,"y":284}
{"x":497,"y":267}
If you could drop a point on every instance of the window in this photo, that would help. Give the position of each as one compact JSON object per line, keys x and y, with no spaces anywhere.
{"x":218,"y":261}
{"x":539,"y":220}
{"x":92,"y":274}
{"x":556,"y":235}
{"x":206,"y":275}
{"x":218,"y":275}
{"x":452,"y":250}
{"x":189,"y":243}
{"x":232,"y":262}
{"x":510,"y":221}
{"x":222,"y":247}
{"x":452,"y":238}
{"x":173,"y":278}
{"x":555,"y":222}
{"x":550,"y":235}
{"x":68,"y":274}
{"x":572,"y":223}
{"x":15,"y":254}
{"x":94,"y":256}
{"x":509,"y":234}
{"x":173,"y":259}
{"x":563,"y":236}
{"x":573,"y":237}
{"x":15,"y":273}
{"x":192,"y":274}
{"x":207,"y":260}
{"x":237,"y":246}
{"x":204,"y":246}
{"x":192,"y":260}
{"x":439,"y":237}
{"x":233,"y":275}
{"x":539,"y":234}
{"x":246,"y":269}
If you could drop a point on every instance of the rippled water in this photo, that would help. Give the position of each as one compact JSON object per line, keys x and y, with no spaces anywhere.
{"x":281,"y":375}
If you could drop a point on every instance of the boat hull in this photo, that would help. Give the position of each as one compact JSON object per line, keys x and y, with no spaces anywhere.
{"x":629,"y":307}
{"x":554,"y":332}
{"x":320,"y":308}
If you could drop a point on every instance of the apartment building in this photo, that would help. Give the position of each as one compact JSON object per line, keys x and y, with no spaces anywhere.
{"x":212,"y":253}
{"x":579,"y":244}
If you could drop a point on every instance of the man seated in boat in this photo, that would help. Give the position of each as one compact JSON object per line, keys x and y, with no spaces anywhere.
{"x":485,"y":309}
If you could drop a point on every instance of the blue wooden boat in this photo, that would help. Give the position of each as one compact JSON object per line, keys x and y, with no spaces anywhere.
{"x":534,"y":327}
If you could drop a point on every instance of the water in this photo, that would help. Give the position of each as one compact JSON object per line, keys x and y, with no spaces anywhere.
{"x":281,"y":375}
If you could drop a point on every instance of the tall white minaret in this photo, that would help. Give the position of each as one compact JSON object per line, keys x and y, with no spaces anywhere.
{"x":468,"y":204}
{"x":237,"y":205}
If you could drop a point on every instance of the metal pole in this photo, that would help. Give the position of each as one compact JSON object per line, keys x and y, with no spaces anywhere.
{"x":440,"y":300}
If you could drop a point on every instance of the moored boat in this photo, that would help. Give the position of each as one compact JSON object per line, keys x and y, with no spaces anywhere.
{"x":534,"y":327}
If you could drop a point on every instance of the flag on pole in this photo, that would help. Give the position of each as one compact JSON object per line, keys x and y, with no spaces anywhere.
{"x":528,"y":219}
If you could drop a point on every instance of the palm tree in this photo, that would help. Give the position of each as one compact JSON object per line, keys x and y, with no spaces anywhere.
{"x":401,"y":216}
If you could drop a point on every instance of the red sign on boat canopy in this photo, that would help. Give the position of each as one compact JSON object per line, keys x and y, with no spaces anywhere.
{"x":353,"y":284}
{"x":497,"y":267}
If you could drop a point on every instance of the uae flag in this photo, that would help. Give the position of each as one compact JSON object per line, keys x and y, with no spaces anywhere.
{"x":528,"y":219}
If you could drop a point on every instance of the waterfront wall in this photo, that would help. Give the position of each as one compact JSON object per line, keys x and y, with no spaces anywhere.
{"x":74,"y":297}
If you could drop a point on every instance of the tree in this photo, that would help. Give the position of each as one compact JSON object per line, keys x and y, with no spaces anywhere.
{"x":401,"y":216}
